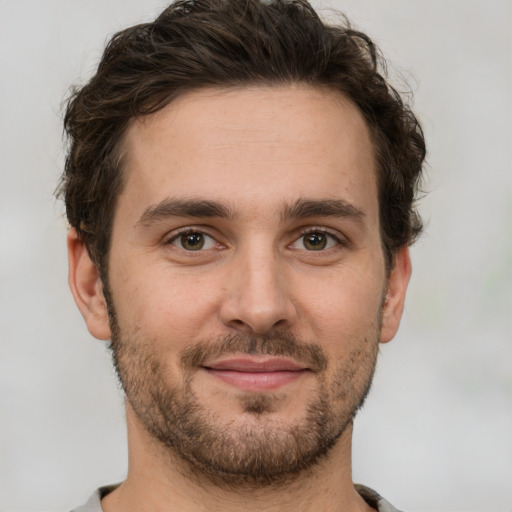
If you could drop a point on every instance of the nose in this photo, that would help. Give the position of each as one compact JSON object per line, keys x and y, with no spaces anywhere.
{"x":258,"y":294}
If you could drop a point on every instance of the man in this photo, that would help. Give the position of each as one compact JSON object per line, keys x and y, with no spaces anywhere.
{"x":240,"y":186}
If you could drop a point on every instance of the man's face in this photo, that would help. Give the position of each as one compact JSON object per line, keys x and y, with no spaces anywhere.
{"x":247,"y":281}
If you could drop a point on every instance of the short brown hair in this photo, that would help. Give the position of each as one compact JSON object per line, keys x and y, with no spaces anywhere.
{"x":195,"y":44}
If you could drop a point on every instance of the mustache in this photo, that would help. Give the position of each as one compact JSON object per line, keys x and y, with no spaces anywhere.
{"x":273,"y":344}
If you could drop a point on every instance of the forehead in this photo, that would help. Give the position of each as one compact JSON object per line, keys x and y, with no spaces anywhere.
{"x":256,"y":146}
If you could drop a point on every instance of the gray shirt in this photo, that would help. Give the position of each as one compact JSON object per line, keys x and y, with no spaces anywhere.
{"x":370,"y":496}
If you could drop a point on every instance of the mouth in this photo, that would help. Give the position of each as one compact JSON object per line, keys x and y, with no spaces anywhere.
{"x":256,"y":374}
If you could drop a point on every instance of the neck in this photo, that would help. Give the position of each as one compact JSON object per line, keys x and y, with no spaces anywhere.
{"x":159,"y":481}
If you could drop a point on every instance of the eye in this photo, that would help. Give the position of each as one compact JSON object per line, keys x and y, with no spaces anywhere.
{"x":315,"y":241}
{"x":193,"y":241}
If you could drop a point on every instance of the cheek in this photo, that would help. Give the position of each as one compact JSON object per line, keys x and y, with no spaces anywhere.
{"x":166,"y":307}
{"x":346,"y":308}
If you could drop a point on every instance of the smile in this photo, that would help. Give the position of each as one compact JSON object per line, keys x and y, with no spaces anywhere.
{"x":254,"y":375}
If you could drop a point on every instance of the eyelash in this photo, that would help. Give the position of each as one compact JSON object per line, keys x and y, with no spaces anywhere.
{"x":318,"y":230}
{"x":304,"y":232}
{"x":188,"y":231}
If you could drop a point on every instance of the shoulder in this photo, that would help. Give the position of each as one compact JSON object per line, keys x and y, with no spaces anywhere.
{"x":93,"y":504}
{"x":374,"y":499}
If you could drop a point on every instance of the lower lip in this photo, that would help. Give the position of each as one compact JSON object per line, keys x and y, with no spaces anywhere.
{"x":257,"y":381}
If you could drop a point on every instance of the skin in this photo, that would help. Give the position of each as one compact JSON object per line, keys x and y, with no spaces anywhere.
{"x":257,"y":151}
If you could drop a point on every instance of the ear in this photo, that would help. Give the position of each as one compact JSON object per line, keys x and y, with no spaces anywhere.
{"x":87,"y":287}
{"x":395,"y":295}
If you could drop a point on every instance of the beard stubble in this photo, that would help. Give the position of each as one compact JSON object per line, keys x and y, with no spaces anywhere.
{"x":257,"y":451}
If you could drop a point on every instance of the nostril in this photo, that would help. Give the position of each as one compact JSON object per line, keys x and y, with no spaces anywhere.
{"x":239,"y":325}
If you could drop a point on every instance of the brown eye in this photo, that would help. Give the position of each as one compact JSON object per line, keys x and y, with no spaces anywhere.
{"x":193,"y":241}
{"x":315,"y":241}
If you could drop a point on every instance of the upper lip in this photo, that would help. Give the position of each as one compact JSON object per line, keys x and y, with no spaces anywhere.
{"x":255,"y":365}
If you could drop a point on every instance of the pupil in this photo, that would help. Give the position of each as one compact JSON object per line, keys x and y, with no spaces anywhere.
{"x":316,"y":241}
{"x":193,"y":241}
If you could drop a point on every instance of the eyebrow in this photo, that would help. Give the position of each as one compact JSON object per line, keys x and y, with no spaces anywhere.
{"x":172,"y":207}
{"x":202,"y":208}
{"x":305,"y":208}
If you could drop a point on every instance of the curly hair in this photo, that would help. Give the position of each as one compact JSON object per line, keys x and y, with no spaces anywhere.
{"x":197,"y":44}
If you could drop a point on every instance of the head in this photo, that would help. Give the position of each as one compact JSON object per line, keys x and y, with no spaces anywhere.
{"x":240,"y":184}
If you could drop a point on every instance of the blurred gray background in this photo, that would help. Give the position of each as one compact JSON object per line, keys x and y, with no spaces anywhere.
{"x":436,"y":432}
